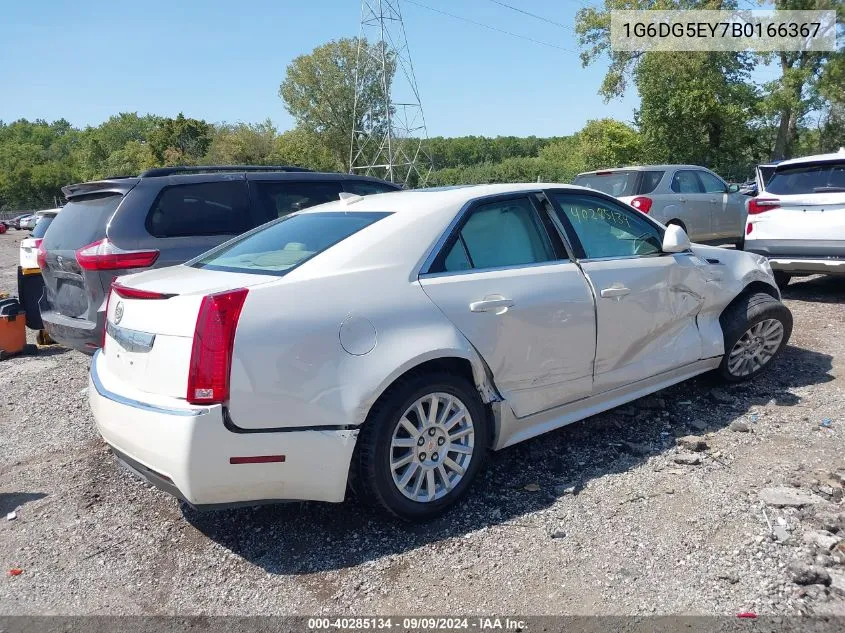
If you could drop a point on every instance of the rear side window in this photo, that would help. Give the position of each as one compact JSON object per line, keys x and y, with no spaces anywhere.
{"x":281,"y":246}
{"x":366,"y":187}
{"x":614,"y":183}
{"x":278,"y":198}
{"x":507,"y":233}
{"x":649,"y":181}
{"x":209,"y":208}
{"x":41,"y":227}
{"x":808,"y":178}
{"x":685,"y":181}
{"x":82,"y":221}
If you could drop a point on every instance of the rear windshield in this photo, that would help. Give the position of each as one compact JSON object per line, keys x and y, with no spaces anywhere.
{"x":808,"y":178}
{"x":41,"y":226}
{"x":621,"y":183}
{"x":281,"y":246}
{"x":81,"y":222}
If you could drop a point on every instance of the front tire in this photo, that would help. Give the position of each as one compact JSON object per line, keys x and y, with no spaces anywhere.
{"x":422,"y":445}
{"x":756,"y":329}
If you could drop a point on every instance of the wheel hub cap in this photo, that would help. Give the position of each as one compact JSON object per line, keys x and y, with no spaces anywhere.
{"x":756,"y":347}
{"x":431,"y":447}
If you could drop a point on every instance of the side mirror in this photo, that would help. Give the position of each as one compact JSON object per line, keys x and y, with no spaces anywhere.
{"x":733,"y":188}
{"x":675,"y":240}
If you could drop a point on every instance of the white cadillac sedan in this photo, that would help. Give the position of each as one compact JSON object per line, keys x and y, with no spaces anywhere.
{"x":386,"y":343}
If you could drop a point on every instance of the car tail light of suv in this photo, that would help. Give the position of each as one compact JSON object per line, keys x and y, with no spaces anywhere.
{"x":761,"y":205}
{"x":214,"y":340}
{"x":642,"y":203}
{"x":42,"y":254}
{"x":103,"y":255}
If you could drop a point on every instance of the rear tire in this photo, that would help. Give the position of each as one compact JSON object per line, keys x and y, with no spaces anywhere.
{"x":417,"y":466}
{"x":756,"y":329}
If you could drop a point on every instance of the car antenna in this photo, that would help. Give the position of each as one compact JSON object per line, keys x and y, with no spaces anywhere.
{"x":347,"y":198}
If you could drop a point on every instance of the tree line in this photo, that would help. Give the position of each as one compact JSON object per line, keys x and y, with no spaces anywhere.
{"x":695,"y":108}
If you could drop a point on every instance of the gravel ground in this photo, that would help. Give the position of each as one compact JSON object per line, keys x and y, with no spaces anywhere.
{"x":606,"y":516}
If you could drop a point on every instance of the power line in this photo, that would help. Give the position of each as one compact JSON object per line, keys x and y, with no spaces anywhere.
{"x":533,"y":15}
{"x":492,"y":28}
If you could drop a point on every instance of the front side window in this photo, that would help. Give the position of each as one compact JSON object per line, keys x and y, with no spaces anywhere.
{"x":282,"y":245}
{"x":686,"y":181}
{"x":278,"y":198}
{"x":499,"y":234}
{"x":607,"y":230}
{"x":711,"y":183}
{"x":208,"y":208}
{"x":828,"y":177}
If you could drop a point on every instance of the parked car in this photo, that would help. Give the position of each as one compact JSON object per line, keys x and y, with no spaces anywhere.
{"x":30,"y":281}
{"x":161,"y":218}
{"x":692,"y":197}
{"x":14,"y":223}
{"x":388,"y":342}
{"x":29,"y":246}
{"x":798,"y":221}
{"x":28,"y":223}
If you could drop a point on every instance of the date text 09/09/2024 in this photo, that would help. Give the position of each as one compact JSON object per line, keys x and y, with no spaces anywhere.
{"x":423,"y":623}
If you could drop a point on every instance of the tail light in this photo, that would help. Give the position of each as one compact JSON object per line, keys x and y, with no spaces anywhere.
{"x":642,"y":203}
{"x":214,"y":339}
{"x":42,"y":254}
{"x":104,"y":255}
{"x":137,"y":293}
{"x":761,"y":205}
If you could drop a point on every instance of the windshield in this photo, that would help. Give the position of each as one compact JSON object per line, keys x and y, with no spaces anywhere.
{"x":41,"y":227}
{"x":808,"y":178}
{"x":282,"y":245}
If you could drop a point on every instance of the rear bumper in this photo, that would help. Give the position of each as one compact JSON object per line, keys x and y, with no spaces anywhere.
{"x":186,"y":450}
{"x":78,"y":334}
{"x":808,"y":266}
{"x":801,"y":256}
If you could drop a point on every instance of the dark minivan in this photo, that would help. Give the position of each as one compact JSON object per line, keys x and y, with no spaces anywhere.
{"x":163,"y":217}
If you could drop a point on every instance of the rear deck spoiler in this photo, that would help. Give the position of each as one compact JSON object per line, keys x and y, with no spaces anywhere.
{"x":112,"y":185}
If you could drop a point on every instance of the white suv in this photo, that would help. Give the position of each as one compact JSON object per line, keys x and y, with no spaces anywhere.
{"x":798,"y":220}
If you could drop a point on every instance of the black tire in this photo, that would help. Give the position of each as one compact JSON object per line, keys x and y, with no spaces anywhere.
{"x":370,"y":474}
{"x":740,"y":317}
{"x":740,"y":244}
{"x":782,"y":278}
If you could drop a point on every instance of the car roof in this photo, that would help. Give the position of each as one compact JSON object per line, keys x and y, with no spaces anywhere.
{"x":816,"y":158}
{"x":642,"y":168}
{"x":48,"y":211}
{"x":434,"y":199}
{"x":121,"y":184}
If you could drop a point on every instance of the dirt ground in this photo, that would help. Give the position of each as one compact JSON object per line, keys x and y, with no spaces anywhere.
{"x":606,"y":516}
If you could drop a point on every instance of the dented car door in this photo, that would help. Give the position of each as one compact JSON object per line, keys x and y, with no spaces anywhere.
{"x":646,"y":300}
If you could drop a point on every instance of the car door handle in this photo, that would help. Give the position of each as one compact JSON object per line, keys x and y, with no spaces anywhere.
{"x":498,"y":306}
{"x":609,"y":293}
{"x":682,"y":199}
{"x":715,"y":201}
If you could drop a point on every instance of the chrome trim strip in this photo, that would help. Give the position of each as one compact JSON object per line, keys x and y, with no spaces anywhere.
{"x":494,"y":269}
{"x":137,"y":404}
{"x":131,"y":340}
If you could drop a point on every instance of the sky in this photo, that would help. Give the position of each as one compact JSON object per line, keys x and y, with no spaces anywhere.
{"x":221,"y":60}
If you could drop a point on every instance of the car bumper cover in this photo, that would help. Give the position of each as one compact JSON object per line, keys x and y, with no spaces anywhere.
{"x":186,"y":450}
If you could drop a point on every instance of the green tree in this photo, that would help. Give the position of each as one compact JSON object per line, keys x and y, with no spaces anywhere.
{"x":304,"y":148}
{"x":242,"y":143}
{"x":698,"y":108}
{"x":319,"y":92}
{"x":179,"y":140}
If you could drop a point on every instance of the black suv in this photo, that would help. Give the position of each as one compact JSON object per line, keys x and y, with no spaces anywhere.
{"x":164,"y":217}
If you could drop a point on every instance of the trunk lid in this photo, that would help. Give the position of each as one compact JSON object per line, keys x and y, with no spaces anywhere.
{"x":803,"y":217}
{"x":68,"y":289}
{"x":149,"y":341}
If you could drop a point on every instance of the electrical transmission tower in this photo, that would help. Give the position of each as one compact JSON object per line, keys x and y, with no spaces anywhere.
{"x":389,"y":134}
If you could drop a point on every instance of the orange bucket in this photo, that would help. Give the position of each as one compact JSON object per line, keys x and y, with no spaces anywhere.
{"x":12,"y":329}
